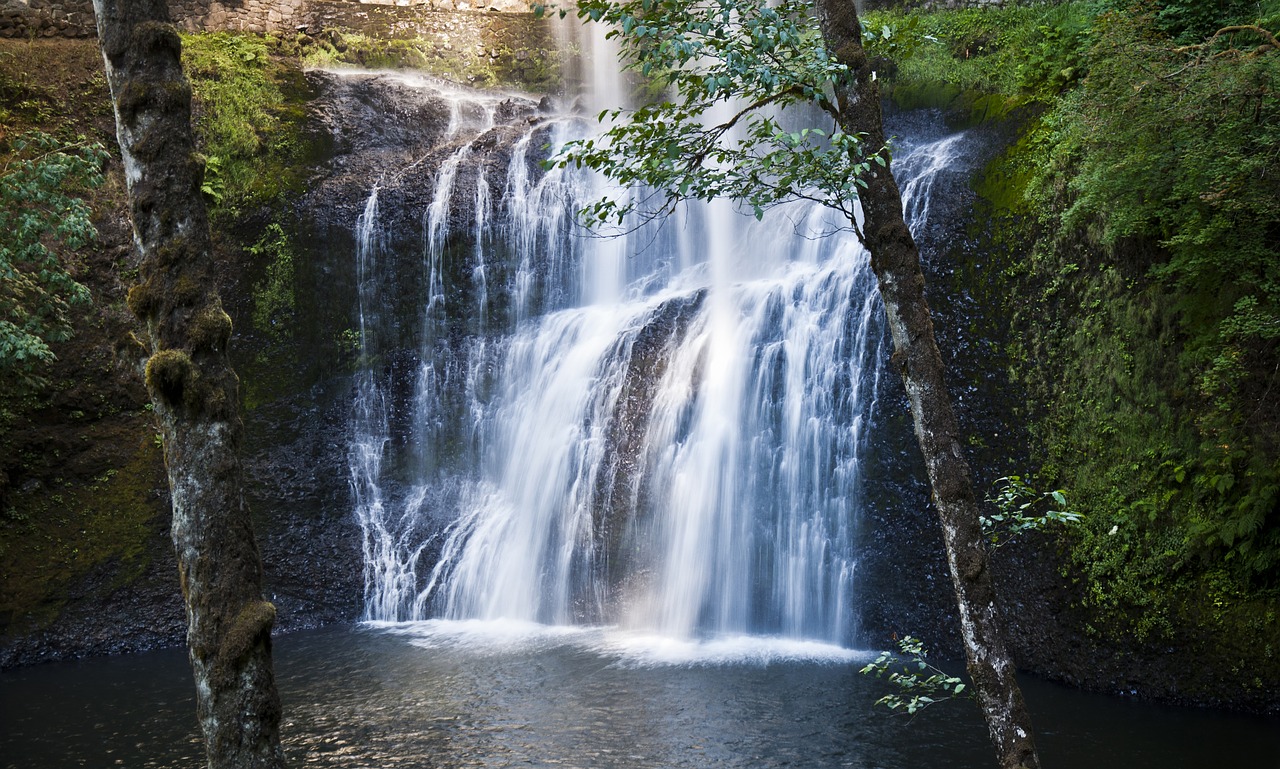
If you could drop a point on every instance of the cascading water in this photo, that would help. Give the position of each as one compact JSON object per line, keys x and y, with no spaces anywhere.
{"x":662,"y":431}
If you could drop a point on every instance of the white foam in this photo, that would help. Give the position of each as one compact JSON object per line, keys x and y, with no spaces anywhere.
{"x":659,"y":651}
{"x":626,"y":649}
{"x":485,"y":637}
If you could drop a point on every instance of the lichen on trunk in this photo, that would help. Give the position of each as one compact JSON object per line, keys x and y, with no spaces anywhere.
{"x":895,"y":259}
{"x":193,"y":388}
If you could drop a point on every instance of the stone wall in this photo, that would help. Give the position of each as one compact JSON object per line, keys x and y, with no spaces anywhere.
{"x":886,"y":4}
{"x":74,"y":18}
{"x":238,"y":15}
{"x":46,"y":18}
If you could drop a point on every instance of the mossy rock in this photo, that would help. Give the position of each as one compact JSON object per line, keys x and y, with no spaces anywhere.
{"x":963,"y":108}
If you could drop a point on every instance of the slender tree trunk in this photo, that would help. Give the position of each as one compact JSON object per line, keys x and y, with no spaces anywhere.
{"x":896,"y":262}
{"x":193,"y":388}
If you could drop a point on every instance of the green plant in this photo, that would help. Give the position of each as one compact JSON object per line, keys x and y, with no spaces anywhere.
{"x":213,"y":185}
{"x":1166,"y":154}
{"x":273,"y":296}
{"x":42,"y":181}
{"x":976,"y":49}
{"x":1058,"y":51}
{"x":919,"y":683}
{"x":1017,"y":503}
{"x":1189,"y":21}
{"x":348,"y":341}
{"x":247,"y":117}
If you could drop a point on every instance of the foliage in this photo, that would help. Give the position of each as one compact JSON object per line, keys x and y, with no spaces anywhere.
{"x":729,"y":70}
{"x":41,"y":208}
{"x":919,"y":683}
{"x":1142,"y":202}
{"x":273,"y":296}
{"x":1146,"y":310}
{"x":247,"y":113}
{"x":1016,"y":504}
{"x":1176,"y":146}
{"x":1189,"y":21}
{"x":1019,"y":50}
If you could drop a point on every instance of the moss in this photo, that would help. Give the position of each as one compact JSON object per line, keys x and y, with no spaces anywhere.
{"x":170,"y":375}
{"x":1121,"y":440}
{"x":963,"y":107}
{"x":188,"y":292}
{"x":174,"y":251}
{"x":250,"y":120}
{"x":157,"y":37}
{"x":1002,"y":185}
{"x":166,"y":95}
{"x":209,"y":400}
{"x":142,"y":301}
{"x":274,"y":299}
{"x":80,"y":538}
{"x":853,"y":57}
{"x":254,"y":619}
{"x":210,"y":330}
{"x":247,"y":630}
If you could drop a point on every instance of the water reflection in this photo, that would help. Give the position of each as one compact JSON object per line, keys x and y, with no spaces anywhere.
{"x":455,"y":695}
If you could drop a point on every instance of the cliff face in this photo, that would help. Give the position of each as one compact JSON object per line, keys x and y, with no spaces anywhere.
{"x":87,"y":563}
{"x":86,"y":566}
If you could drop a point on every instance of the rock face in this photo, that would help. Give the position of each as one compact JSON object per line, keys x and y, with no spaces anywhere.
{"x":122,"y":593}
{"x":74,"y":18}
{"x":397,"y":132}
{"x":393,"y":132}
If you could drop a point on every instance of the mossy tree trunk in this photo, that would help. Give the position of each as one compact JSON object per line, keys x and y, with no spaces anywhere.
{"x":895,"y":259}
{"x":193,"y":388}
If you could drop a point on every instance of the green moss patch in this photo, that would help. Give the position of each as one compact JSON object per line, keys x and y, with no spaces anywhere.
{"x":73,"y":538}
{"x":249,"y":113}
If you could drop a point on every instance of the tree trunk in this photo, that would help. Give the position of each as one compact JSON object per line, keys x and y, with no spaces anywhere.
{"x":193,"y":388}
{"x":895,"y":260}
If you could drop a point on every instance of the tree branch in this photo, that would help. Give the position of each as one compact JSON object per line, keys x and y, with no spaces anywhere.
{"x":1254,"y":28}
{"x":714,"y":133}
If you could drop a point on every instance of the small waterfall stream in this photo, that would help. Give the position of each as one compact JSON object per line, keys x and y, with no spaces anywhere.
{"x":661,"y":431}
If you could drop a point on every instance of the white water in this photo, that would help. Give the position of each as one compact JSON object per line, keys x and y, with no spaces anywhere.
{"x":664,"y":435}
{"x":626,"y":650}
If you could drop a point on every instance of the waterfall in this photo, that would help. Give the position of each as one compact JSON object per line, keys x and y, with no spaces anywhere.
{"x":663,"y":431}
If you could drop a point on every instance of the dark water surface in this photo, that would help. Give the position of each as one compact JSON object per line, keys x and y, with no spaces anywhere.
{"x":497,"y":695}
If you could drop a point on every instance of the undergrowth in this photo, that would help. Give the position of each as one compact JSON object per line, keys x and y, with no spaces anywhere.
{"x":1143,"y":276}
{"x":248,"y":112}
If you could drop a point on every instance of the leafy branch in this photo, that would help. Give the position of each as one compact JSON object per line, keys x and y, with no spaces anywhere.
{"x":919,"y":683}
{"x":736,"y":76}
{"x":40,"y":207}
{"x":1269,"y":42}
{"x":1017,"y":504}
